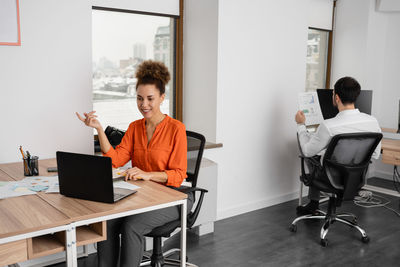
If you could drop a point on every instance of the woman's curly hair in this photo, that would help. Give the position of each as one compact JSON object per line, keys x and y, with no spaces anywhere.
{"x":153,"y":72}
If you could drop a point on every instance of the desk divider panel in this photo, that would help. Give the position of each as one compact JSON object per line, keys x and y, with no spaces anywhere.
{"x":13,"y":252}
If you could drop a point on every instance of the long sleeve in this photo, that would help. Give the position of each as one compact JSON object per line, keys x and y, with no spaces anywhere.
{"x":123,"y":152}
{"x":177,"y":163}
{"x":313,"y":143}
{"x":377,"y":151}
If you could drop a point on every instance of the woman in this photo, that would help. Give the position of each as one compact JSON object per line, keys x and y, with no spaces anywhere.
{"x":157,"y":147}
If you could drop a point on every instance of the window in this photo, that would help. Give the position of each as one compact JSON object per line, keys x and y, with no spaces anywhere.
{"x":317,"y":59}
{"x":121,"y":41}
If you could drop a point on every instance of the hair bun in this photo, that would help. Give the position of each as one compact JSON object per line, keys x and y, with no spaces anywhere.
{"x":153,"y":70}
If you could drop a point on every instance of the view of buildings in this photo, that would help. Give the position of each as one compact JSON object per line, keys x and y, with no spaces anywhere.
{"x":317,"y":52}
{"x":114,"y":82}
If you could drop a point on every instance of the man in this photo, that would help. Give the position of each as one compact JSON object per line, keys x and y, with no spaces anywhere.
{"x":348,"y":120}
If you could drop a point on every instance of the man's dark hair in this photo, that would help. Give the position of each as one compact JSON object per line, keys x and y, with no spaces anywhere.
{"x":348,"y":89}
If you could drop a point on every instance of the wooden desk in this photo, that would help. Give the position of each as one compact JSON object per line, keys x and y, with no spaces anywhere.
{"x":22,"y":219}
{"x":391,"y":151}
{"x":390,"y":155}
{"x":30,"y":219}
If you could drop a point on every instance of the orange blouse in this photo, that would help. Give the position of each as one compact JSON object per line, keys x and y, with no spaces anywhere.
{"x":166,"y":152}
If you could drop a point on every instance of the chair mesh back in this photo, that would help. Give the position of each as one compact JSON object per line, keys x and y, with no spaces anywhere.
{"x":347,"y":158}
{"x":353,"y":151}
{"x":195,"y":147}
{"x":193,"y":153}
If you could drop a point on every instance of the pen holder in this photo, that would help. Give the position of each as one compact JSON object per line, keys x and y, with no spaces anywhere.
{"x":31,"y":166}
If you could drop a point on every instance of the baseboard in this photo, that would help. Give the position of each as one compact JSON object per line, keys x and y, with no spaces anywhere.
{"x":252,"y":206}
{"x":383,"y":175}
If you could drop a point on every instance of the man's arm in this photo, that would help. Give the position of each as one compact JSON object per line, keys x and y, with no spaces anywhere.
{"x":312,"y":144}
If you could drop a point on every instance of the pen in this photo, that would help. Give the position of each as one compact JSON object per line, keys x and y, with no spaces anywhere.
{"x":22,"y":152}
{"x":23,"y":159}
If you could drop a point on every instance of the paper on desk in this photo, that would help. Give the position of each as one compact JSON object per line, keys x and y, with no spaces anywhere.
{"x":41,"y":183}
{"x":14,"y":189}
{"x":309,"y":104}
{"x":117,"y":172}
{"x":125,"y":185}
{"x":53,"y":185}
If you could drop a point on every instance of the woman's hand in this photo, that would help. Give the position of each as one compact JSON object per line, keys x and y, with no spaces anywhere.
{"x":90,"y":120}
{"x":136,"y":174}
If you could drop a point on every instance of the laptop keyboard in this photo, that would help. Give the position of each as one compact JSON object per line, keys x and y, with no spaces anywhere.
{"x":118,"y":196}
{"x":120,"y":193}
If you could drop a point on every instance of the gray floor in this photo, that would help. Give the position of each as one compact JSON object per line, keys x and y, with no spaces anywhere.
{"x":262,"y":238}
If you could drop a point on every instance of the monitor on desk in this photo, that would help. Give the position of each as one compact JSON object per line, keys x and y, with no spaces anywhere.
{"x":363,"y":102}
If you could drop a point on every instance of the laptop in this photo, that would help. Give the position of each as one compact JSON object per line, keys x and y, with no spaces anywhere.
{"x":88,"y":177}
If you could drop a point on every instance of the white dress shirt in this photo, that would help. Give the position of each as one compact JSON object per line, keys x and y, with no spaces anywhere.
{"x":347,"y":121}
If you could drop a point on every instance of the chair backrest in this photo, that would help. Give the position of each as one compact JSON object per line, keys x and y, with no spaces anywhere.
{"x":347,"y":158}
{"x":195,"y":147}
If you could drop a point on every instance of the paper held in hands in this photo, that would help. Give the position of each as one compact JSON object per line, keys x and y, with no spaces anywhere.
{"x":309,"y":104}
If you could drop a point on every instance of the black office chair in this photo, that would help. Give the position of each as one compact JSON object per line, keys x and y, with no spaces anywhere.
{"x":114,"y":136}
{"x":341,"y":175}
{"x":195,"y":145}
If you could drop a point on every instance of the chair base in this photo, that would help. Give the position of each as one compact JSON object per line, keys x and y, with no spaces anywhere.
{"x":164,"y":260}
{"x":330,"y":219}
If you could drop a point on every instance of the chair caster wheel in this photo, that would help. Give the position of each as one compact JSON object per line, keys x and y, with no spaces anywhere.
{"x":365,"y":239}
{"x":293,"y":228}
{"x":324,"y":242}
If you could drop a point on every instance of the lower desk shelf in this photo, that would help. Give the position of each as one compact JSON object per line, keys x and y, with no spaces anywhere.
{"x":49,"y":244}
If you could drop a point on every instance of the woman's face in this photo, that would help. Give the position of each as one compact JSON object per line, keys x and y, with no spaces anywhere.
{"x":149,"y":100}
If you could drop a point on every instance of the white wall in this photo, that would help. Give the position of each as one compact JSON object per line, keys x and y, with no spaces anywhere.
{"x":320,"y":14}
{"x":261,"y":68}
{"x":200,"y":46}
{"x":366,"y":47}
{"x":170,"y":7}
{"x":46,"y":79}
{"x":260,"y":61}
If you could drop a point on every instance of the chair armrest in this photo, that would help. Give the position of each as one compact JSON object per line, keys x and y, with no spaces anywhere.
{"x":192,"y":216}
{"x":188,"y":190}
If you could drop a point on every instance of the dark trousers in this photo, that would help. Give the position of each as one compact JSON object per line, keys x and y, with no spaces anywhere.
{"x":129,"y":232}
{"x":313,"y":193}
{"x":313,"y":165}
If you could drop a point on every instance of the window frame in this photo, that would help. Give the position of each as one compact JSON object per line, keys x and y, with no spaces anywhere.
{"x":328,"y":56}
{"x":330,"y":47}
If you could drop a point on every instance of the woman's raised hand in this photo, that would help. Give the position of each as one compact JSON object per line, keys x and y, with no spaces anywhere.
{"x":89,"y":119}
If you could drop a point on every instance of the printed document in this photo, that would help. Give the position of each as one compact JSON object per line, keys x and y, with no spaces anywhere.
{"x":309,"y":104}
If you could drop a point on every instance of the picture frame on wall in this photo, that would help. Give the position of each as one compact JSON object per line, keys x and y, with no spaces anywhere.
{"x":10,"y":33}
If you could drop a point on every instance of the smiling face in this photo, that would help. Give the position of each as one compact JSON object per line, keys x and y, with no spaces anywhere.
{"x":149,"y":100}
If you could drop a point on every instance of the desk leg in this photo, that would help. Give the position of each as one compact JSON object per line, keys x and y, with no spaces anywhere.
{"x":183,"y":233}
{"x":70,"y":244}
{"x":301,"y":194}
